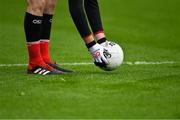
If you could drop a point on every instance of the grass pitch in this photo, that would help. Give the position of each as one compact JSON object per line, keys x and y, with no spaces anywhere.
{"x":148,"y":30}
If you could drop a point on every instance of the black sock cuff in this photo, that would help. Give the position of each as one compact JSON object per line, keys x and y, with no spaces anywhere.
{"x":33,"y":19}
{"x":89,"y":45}
{"x":47,"y":16}
{"x":102,"y":40}
{"x":32,"y":26}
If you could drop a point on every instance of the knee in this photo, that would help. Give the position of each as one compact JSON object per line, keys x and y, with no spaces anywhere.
{"x":36,"y":6}
{"x":50,"y":7}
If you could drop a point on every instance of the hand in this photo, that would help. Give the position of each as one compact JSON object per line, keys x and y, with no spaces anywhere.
{"x":97,"y":52}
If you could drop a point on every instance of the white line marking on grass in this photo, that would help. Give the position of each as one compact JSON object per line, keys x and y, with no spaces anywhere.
{"x":89,"y":63}
{"x":12,"y":65}
{"x":149,"y":63}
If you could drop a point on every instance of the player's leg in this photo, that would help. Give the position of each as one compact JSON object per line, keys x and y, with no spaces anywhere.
{"x":46,"y":29}
{"x":48,"y":14}
{"x":32,"y":26}
{"x":78,"y":14}
{"x":94,"y":17}
{"x":76,"y":8}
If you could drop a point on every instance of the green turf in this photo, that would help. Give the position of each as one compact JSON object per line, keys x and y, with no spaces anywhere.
{"x":148,"y":30}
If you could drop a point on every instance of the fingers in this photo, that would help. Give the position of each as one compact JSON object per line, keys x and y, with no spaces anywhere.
{"x":98,"y":53}
{"x":99,"y":60}
{"x":104,"y":60}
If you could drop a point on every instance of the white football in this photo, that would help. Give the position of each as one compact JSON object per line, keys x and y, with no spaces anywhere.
{"x":114,"y":55}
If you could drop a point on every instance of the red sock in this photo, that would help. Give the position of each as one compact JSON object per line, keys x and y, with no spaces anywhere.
{"x":35,"y":58}
{"x":44,"y":45}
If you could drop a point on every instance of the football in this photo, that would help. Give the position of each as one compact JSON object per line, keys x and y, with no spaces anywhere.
{"x":114,"y":55}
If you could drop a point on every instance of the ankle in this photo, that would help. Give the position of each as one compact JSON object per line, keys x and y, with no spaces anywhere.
{"x":47,"y":59}
{"x":35,"y":63}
